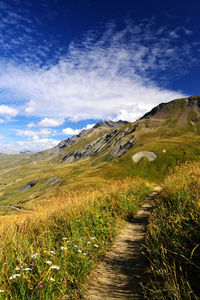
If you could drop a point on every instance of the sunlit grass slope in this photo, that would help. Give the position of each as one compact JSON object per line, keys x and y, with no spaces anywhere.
{"x":49,"y":253}
{"x":174,"y":235}
{"x":170,"y":152}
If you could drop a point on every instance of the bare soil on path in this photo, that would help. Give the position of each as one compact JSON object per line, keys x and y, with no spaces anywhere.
{"x":119,"y":275}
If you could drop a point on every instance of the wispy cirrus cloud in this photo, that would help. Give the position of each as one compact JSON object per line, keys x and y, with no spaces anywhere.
{"x":107,"y":76}
{"x":20,"y":36}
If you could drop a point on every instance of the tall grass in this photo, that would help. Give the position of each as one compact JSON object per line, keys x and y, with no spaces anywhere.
{"x":48,"y":254}
{"x":173,"y":240}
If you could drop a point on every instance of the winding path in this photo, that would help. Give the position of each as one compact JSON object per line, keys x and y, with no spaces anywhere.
{"x":119,"y":275}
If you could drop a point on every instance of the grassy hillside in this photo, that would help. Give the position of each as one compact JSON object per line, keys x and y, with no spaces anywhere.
{"x":173,"y":237}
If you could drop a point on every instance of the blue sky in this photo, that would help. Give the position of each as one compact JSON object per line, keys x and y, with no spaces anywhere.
{"x":65,"y":65}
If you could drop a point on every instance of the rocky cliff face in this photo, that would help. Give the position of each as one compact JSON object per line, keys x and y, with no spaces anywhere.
{"x":98,"y":128}
{"x":115,"y":143}
{"x":111,"y":139}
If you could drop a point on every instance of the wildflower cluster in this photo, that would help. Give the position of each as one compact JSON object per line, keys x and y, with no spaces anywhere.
{"x":38,"y":270}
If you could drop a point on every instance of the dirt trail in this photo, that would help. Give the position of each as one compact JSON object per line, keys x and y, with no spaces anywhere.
{"x":119,"y":275}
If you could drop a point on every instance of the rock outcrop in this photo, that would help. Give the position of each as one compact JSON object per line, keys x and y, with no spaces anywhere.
{"x":151,"y":156}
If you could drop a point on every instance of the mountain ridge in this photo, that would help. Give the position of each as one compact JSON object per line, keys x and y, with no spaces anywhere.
{"x":116,"y":138}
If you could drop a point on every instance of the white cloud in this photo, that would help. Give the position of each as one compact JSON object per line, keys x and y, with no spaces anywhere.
{"x":70,"y":131}
{"x":107,"y":77}
{"x":89,"y":126}
{"x":2,"y":121}
{"x":46,"y":122}
{"x":35,"y":140}
{"x":6,"y":110}
{"x":36,"y":144}
{"x":34,"y":134}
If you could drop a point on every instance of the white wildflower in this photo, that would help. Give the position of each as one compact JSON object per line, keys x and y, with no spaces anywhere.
{"x":48,"y":262}
{"x":84,"y":253}
{"x":95,"y":245}
{"x":1,"y":291}
{"x":80,"y":251}
{"x":51,"y":279}
{"x":27,"y":269}
{"x":64,"y":239}
{"x":63,"y":248}
{"x":34,"y":256}
{"x":76,"y":246}
{"x":93,"y":237}
{"x":14,"y":276}
{"x":52,"y":252}
{"x":88,"y":242}
{"x":55,"y":267}
{"x":17,"y":269}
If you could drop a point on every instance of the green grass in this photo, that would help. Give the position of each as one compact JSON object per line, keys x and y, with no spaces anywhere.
{"x":181,"y":148}
{"x":178,"y":149}
{"x":173,"y":237}
{"x":88,"y":220}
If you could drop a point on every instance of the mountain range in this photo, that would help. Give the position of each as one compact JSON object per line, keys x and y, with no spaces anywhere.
{"x":170,"y":131}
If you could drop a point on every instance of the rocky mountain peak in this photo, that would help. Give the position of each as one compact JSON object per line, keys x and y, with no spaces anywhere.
{"x":176,"y":106}
{"x":110,"y":124}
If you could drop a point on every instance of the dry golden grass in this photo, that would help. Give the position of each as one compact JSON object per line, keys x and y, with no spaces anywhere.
{"x":71,"y":200}
{"x":174,"y":235}
{"x":76,"y":215}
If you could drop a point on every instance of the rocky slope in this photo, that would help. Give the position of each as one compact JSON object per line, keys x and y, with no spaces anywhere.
{"x":89,"y":142}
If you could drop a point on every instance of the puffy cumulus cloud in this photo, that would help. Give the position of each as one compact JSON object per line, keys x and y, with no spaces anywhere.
{"x":8,"y":111}
{"x":70,"y":131}
{"x":47,"y":122}
{"x":31,"y":134}
{"x":111,"y":76}
{"x":37,"y":144}
{"x":34,"y":140}
{"x":89,"y":126}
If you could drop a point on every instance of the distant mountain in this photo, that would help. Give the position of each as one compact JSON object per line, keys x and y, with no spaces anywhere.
{"x":108,"y":140}
{"x":89,"y":142}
